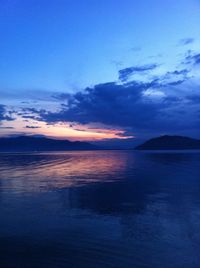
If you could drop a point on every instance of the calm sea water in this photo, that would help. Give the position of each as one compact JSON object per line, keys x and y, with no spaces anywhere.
{"x":100,"y":209}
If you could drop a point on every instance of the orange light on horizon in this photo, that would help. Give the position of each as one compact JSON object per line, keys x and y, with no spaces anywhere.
{"x":84,"y":134}
{"x":65,"y":131}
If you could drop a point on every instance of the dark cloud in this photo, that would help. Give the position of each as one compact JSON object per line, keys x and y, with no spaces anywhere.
{"x":61,"y":96}
{"x":157,"y":106}
{"x":124,"y":106}
{"x":81,"y":130}
{"x":172,"y":78}
{"x":186,"y":41}
{"x":175,"y":83}
{"x":4,"y":115}
{"x":32,"y":127}
{"x":179,"y":72}
{"x":124,"y":74}
{"x":28,"y":113}
{"x":109,"y":103}
{"x":6,"y":127}
{"x":30,"y":117}
{"x":192,"y":58}
{"x":174,"y":74}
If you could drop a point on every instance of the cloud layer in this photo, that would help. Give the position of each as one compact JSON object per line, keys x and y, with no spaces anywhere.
{"x":157,"y":102}
{"x":3,"y":114}
{"x":137,"y":106}
{"x":125,"y":74}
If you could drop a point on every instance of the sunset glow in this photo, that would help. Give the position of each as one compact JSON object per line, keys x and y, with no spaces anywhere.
{"x":62,"y":131}
{"x":74,"y":71}
{"x":99,"y":133}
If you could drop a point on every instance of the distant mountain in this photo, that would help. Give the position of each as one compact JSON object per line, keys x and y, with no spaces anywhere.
{"x":31,"y":143}
{"x":170,"y":143}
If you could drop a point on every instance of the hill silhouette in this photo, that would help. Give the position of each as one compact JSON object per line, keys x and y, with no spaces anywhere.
{"x":170,"y":143}
{"x":31,"y":143}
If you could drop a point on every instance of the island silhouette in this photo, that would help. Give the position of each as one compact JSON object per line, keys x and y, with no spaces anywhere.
{"x":40,"y":143}
{"x":168,"y":142}
{"x":32,"y":143}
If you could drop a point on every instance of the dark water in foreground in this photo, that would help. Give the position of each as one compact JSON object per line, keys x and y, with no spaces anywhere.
{"x":100,"y":209}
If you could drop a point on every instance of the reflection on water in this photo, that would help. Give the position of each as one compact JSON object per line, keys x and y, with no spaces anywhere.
{"x":41,"y":172}
{"x":100,"y":209}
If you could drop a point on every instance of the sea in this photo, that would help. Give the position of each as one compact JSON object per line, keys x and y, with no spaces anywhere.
{"x":100,"y":209}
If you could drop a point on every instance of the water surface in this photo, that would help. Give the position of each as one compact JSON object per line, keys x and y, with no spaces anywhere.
{"x":100,"y":209}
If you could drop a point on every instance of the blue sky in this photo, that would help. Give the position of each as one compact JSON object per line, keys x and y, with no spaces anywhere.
{"x":50,"y":48}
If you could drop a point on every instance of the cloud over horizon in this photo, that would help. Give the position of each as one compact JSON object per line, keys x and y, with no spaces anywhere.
{"x":4,"y":115}
{"x":166,"y":101}
{"x":135,"y":106}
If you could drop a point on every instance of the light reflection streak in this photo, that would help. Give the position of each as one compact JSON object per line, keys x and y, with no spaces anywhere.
{"x":41,"y":172}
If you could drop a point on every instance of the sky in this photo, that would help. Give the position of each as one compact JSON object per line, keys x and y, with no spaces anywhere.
{"x":113,"y":72}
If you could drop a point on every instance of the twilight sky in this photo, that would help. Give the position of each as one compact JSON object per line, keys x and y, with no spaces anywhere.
{"x":116,"y":71}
